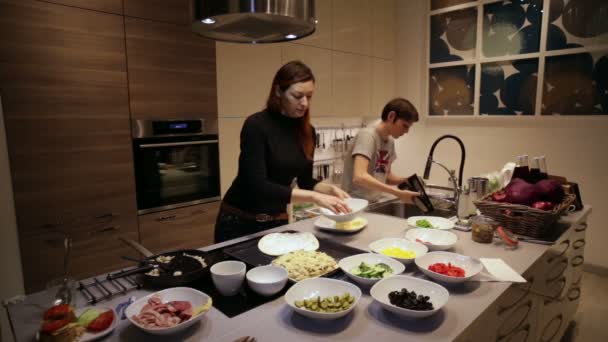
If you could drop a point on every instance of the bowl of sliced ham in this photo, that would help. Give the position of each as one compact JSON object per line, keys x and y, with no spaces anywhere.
{"x":168,"y":311}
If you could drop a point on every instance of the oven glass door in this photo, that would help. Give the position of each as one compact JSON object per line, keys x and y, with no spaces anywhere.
{"x":175,"y":173}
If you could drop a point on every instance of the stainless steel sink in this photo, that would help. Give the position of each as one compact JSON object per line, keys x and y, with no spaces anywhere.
{"x":399,"y":209}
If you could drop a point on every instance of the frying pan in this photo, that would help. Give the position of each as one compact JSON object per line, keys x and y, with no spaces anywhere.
{"x":190,"y":268}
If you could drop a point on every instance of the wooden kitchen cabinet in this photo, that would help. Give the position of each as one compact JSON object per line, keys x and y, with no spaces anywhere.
{"x":183,"y":228}
{"x":171,"y":11}
{"x":351,"y":85}
{"x":64,"y":91}
{"x":110,"y":6}
{"x":171,"y":71}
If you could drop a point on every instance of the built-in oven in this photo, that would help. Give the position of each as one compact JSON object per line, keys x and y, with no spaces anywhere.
{"x":176,"y":163}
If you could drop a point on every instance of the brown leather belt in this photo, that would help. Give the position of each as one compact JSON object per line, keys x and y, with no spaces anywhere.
{"x":254,"y":217}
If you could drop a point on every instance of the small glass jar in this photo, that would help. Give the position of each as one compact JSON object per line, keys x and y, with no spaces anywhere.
{"x":483,"y":229}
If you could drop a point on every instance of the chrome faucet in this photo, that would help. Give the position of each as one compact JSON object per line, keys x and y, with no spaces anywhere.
{"x":456,"y":181}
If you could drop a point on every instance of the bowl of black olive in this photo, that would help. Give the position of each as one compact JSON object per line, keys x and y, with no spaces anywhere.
{"x":410,"y":297}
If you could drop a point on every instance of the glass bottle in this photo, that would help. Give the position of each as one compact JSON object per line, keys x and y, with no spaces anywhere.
{"x":542,"y":164}
{"x":521,"y":169}
{"x":535,"y":170}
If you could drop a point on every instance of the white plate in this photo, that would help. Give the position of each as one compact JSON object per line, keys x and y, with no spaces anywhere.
{"x":436,"y":221}
{"x":323,"y":287}
{"x":276,"y":244}
{"x":348,"y":263}
{"x":434,"y":239}
{"x":89,"y":336}
{"x":437,"y":293}
{"x":195,"y":297}
{"x":356,"y":205}
{"x":471,"y":266}
{"x":353,"y":226}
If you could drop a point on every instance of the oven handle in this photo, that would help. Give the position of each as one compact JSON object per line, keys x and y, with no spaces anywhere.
{"x":179,"y":143}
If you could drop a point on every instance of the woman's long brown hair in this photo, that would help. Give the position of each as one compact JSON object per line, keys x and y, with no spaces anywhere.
{"x":290,"y":73}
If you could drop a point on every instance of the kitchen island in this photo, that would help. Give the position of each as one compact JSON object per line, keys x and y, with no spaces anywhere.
{"x":476,"y":311}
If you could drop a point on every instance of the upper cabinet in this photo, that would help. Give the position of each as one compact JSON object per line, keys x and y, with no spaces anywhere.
{"x":322,"y":35}
{"x":352,"y":26}
{"x":110,"y":6}
{"x":351,"y":82}
{"x":171,"y":11}
{"x":383,"y":84}
{"x":171,"y":71}
{"x":383,"y":29}
{"x":244,"y":76}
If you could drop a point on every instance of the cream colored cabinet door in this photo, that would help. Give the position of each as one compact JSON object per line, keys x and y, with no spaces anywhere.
{"x":322,"y":35}
{"x":383,"y":29}
{"x":352,"y":26}
{"x":244,"y":76}
{"x":351,"y":84}
{"x":229,"y":144}
{"x":383,"y":84}
{"x":319,"y":61}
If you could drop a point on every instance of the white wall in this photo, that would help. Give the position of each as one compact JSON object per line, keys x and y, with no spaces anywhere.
{"x":574,"y":146}
{"x":10,"y":261}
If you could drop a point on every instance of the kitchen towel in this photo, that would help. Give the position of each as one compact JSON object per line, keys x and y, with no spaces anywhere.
{"x":498,"y":270}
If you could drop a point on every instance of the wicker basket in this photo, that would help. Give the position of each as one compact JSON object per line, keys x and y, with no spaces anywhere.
{"x":522,"y":219}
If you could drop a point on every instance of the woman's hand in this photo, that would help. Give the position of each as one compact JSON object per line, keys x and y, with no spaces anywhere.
{"x":332,"y":203}
{"x":407,"y":196}
{"x":330,"y":189}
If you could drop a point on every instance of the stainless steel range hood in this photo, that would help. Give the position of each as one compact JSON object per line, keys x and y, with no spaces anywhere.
{"x":253,"y":21}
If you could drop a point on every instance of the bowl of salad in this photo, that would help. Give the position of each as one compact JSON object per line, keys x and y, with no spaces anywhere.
{"x":368,"y":268}
{"x":432,"y":222}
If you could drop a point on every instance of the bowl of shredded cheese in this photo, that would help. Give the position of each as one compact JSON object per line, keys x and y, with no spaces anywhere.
{"x":399,"y":249}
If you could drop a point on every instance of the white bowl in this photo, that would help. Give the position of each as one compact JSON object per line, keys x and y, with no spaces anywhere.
{"x":323,"y":287}
{"x":437,"y":293}
{"x":435,"y":240}
{"x":348,"y":263}
{"x":356,"y":205}
{"x":471,"y":266}
{"x":267,"y":280}
{"x":407,"y":245}
{"x":436,"y":221}
{"x":195,"y":297}
{"x":228,"y":276}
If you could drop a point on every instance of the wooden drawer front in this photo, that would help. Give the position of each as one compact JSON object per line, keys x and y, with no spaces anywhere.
{"x":183,"y":228}
{"x":552,"y":271}
{"x":95,"y":251}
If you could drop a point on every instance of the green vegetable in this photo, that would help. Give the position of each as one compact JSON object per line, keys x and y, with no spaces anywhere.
{"x":424,"y":223}
{"x":328,"y":304}
{"x":87,"y":317}
{"x":379,"y":270}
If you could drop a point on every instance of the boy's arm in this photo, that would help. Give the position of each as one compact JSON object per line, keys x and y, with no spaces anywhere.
{"x":365,"y":180}
{"x":394,"y":179}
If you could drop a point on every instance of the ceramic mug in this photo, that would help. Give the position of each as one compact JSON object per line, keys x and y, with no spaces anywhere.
{"x":228,"y":276}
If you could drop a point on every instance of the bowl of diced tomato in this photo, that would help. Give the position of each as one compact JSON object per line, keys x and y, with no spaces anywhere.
{"x":449,"y":267}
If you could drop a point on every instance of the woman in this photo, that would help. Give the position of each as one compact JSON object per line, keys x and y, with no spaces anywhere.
{"x":277,"y":147}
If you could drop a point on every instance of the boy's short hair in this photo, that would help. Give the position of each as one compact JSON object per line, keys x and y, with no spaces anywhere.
{"x":404,"y":109}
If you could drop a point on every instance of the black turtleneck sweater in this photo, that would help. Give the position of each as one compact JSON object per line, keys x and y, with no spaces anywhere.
{"x":271,"y":157}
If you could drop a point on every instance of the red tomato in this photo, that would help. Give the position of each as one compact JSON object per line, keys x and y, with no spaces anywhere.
{"x":449,"y":269}
{"x":51,"y":326}
{"x":57,"y":312}
{"x":102,"y":322}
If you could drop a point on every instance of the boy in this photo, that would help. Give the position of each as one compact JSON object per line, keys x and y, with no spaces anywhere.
{"x":367,"y":165}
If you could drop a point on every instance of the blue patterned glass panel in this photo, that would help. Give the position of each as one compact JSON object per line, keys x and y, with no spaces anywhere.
{"x":576,"y":84}
{"x":453,"y":36}
{"x":511,"y":28}
{"x":577,"y":23}
{"x":451,"y":90}
{"x":509,"y":87}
